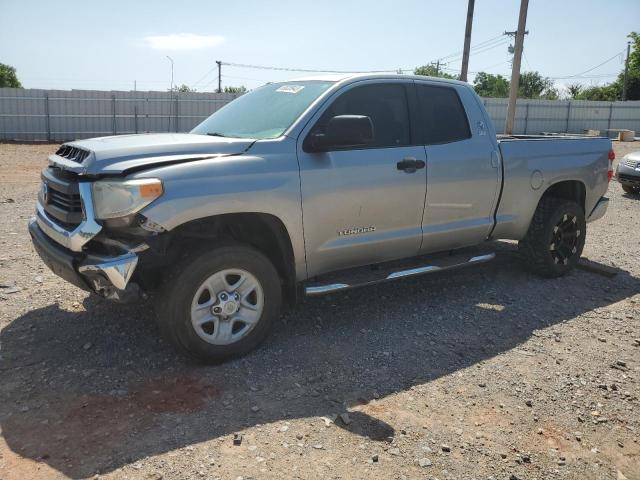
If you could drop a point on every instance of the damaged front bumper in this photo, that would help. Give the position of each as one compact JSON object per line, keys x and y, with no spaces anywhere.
{"x":65,"y":253}
{"x":108,"y":276}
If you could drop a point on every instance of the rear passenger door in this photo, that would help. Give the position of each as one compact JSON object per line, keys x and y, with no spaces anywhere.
{"x":462,"y":168}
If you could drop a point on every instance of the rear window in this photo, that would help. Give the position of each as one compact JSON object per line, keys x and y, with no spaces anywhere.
{"x":444,"y":118}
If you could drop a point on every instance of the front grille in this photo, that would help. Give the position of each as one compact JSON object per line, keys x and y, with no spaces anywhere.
{"x":60,"y":197}
{"x":70,"y":203}
{"x":631,"y":163}
{"x":74,"y":154}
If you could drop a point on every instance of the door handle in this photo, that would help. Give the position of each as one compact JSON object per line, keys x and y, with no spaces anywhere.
{"x":410,"y":164}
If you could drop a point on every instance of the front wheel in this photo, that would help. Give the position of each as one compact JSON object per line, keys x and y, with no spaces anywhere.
{"x":555,"y":239}
{"x":220,"y":304}
{"x":631,"y":190}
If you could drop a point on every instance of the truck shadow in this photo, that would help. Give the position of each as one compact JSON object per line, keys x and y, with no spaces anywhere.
{"x":90,"y":391}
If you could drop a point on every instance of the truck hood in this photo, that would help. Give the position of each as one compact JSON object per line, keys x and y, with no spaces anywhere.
{"x":123,"y":153}
{"x":633,"y":156}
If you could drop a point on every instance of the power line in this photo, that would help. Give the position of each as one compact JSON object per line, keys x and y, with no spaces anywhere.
{"x":491,"y":47}
{"x":526,"y":60}
{"x":477,"y":45}
{"x":602,"y":75}
{"x":306,"y":70}
{"x":203,"y":77}
{"x":478,"y":48}
{"x":597,"y":66}
{"x":310,"y":70}
{"x":215,"y":80}
{"x":492,"y":66}
{"x":478,"y":52}
{"x":246,"y":78}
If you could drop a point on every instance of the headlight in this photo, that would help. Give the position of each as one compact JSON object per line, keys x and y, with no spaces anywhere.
{"x":119,"y":198}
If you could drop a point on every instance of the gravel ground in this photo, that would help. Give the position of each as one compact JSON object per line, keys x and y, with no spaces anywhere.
{"x":487,"y":372}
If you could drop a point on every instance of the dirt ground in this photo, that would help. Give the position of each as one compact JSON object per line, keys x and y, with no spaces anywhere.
{"x":482,"y":373}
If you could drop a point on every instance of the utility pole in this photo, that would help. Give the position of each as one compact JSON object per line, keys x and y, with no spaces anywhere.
{"x":467,"y":42}
{"x":219,"y":76}
{"x":438,"y":68}
{"x":626,"y":72}
{"x":511,"y":47}
{"x":515,"y":70}
{"x":170,"y":95}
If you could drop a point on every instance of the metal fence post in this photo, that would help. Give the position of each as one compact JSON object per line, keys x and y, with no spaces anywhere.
{"x":47,"y":116}
{"x":526,"y":118}
{"x":177,"y":114}
{"x":135,"y":118}
{"x":566,"y":129}
{"x":610,"y":115}
{"x":113,"y":111}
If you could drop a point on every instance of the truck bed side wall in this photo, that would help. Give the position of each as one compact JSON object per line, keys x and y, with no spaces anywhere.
{"x":542,"y":163}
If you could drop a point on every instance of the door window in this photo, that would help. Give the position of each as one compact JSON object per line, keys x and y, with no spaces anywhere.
{"x":385,"y":104}
{"x":443,"y":117}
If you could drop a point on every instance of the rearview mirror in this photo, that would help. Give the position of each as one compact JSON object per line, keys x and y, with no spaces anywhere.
{"x":343,"y":131}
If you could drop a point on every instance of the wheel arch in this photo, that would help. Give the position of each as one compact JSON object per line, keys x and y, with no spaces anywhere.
{"x":574,"y":190}
{"x":263,"y":231}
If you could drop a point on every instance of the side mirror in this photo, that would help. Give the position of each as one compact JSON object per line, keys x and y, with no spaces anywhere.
{"x":343,"y":131}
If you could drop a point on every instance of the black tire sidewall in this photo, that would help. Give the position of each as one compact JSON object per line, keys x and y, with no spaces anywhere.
{"x":176,"y":296}
{"x":534,"y":247}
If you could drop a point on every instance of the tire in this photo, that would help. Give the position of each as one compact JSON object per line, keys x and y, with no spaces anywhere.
{"x":555,"y":239}
{"x":630,"y":190}
{"x":176,"y":303}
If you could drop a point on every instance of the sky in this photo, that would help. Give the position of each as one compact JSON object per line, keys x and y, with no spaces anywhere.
{"x":117,"y":44}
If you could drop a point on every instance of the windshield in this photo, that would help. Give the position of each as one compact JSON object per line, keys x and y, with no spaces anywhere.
{"x":265,"y":112}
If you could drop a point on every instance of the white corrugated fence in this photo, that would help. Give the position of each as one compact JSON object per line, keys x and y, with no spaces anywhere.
{"x":61,"y":115}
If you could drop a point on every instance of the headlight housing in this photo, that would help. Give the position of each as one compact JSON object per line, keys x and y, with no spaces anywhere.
{"x":119,"y":198}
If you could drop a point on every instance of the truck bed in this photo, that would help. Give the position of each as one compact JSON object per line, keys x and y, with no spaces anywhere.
{"x":533,"y":163}
{"x":545,"y":136}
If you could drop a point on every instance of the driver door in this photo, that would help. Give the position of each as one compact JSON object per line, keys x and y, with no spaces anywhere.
{"x":362,"y":205}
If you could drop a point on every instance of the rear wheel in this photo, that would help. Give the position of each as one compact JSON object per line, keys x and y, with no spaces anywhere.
{"x":555,"y":239}
{"x":220,"y":304}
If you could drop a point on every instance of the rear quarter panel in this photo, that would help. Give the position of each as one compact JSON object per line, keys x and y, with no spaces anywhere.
{"x":528,"y":163}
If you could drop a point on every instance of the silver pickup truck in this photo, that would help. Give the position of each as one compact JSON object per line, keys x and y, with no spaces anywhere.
{"x":308,"y":187}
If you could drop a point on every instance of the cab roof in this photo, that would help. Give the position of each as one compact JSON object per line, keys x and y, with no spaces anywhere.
{"x":348,"y":77}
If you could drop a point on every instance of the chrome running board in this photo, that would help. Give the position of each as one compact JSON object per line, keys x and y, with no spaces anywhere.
{"x":322,"y":289}
{"x":359,"y":278}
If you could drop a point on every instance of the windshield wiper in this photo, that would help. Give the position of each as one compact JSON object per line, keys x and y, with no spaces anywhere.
{"x":217,"y":134}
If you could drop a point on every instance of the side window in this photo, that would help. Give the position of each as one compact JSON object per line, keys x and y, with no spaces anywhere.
{"x":444,"y":118}
{"x":385,"y":104}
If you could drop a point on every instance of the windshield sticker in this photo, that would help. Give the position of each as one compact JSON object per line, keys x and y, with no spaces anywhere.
{"x":290,"y":88}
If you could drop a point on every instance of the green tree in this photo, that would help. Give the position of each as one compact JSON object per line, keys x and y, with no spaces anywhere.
{"x":633,"y":80}
{"x":609,"y":93}
{"x":489,"y":85}
{"x":534,"y":85}
{"x":240,"y":89}
{"x":574,"y":90}
{"x":183,"y":88}
{"x":432,"y":71}
{"x":8,"y":77}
